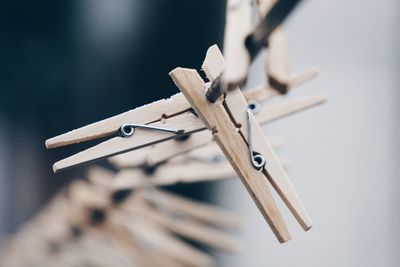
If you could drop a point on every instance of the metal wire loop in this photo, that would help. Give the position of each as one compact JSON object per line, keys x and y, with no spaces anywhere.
{"x":128,"y":129}
{"x":256,"y":159}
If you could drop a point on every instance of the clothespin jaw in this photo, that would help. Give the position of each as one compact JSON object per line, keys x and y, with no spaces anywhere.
{"x":226,"y":119}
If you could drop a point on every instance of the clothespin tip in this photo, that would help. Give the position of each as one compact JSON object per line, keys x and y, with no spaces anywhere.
{"x":215,"y":59}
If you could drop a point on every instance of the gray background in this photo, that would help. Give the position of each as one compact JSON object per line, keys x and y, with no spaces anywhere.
{"x":342,"y":156}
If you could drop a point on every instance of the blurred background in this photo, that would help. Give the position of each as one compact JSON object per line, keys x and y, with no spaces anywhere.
{"x":65,"y":64}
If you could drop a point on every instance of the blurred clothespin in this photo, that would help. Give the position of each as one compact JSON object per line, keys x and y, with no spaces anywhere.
{"x":251,"y":26}
{"x":177,"y":214}
{"x":95,"y":207}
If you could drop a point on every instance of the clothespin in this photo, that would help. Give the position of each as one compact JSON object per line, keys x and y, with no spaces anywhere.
{"x":237,"y":133}
{"x":248,"y":28}
{"x":175,"y":217}
{"x":173,"y":115}
{"x":173,"y":203}
{"x":113,"y":219}
{"x":164,"y":151}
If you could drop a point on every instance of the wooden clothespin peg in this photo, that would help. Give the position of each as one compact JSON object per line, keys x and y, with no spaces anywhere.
{"x":245,"y":35}
{"x":157,"y":122}
{"x":237,"y":133}
{"x":179,"y":215}
{"x":164,"y":151}
{"x":103,"y":217}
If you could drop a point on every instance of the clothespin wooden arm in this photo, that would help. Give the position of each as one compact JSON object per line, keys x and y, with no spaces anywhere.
{"x":110,"y":126}
{"x":142,"y":138}
{"x":164,"y":151}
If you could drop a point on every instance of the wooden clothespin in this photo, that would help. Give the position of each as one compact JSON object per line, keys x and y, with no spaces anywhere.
{"x":165,"y":144}
{"x":237,"y":133}
{"x":167,"y":248}
{"x":174,"y":216}
{"x":174,"y":203}
{"x":162,"y":152}
{"x":248,"y":30}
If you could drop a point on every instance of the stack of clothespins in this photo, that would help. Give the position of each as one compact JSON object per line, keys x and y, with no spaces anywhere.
{"x":209,"y":131}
